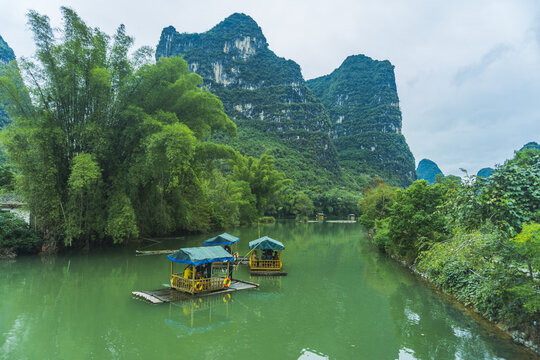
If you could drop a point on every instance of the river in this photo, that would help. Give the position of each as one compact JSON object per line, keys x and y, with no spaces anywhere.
{"x":341,"y":300}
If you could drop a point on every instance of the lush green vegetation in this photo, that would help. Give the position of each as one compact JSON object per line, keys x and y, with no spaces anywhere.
{"x":276,"y":113}
{"x":264,"y":94}
{"x":361,"y":100}
{"x":478,"y":239}
{"x":16,"y":236}
{"x":6,"y":53}
{"x":6,"y":56}
{"x":112,"y":147}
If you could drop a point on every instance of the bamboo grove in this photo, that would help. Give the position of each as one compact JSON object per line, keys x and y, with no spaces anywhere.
{"x":108,"y":146}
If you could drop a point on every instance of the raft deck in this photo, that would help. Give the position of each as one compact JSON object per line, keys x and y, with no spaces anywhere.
{"x":268,"y":273}
{"x":167,"y":295}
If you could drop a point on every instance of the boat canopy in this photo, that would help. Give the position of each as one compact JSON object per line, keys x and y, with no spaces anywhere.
{"x":200,"y":255}
{"x":266,"y":243}
{"x":223,"y":239}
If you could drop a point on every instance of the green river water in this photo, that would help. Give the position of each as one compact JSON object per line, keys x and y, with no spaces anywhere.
{"x":341,"y":300}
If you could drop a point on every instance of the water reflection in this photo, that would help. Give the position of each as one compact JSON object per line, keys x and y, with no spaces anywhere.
{"x":341,"y":299}
{"x":199,"y":315}
{"x":309,"y":354}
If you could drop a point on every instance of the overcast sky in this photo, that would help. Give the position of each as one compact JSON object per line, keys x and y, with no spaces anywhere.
{"x":467,"y":72}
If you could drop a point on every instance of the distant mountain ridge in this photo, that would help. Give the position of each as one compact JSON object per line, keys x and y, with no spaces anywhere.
{"x":6,"y":55}
{"x":428,"y":170}
{"x":530,"y":145}
{"x":362,"y":103}
{"x":264,"y":94}
{"x":484,"y":172}
{"x":277,"y":111}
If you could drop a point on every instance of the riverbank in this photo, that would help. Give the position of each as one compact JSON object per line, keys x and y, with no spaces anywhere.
{"x":529,"y":338}
{"x":371,"y":307}
{"x":471,"y":238}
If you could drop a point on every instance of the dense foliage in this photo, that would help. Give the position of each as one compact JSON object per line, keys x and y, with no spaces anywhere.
{"x":6,"y":56}
{"x":478,"y":239}
{"x":16,"y":236}
{"x":264,"y":94}
{"x":362,"y":102}
{"x":276,"y":113}
{"x":6,"y":53}
{"x":112,"y":147}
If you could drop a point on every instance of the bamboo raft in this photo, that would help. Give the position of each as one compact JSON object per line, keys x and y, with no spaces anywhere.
{"x":268,"y":273}
{"x":154,"y":252}
{"x":333,"y":221}
{"x":167,"y":295}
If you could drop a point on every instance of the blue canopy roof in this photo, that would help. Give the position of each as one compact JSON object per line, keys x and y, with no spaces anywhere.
{"x":200,"y":255}
{"x":266,"y":243}
{"x":223,"y":239}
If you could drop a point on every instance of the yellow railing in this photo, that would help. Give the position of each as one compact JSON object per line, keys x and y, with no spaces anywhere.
{"x":189,"y":285}
{"x":268,"y":265}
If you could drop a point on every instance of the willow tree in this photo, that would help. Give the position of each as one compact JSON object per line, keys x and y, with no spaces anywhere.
{"x":110,"y":145}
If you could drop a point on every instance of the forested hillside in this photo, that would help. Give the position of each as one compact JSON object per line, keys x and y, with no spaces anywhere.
{"x":265,"y":95}
{"x":114,"y":147}
{"x":6,"y":55}
{"x":362,"y":102}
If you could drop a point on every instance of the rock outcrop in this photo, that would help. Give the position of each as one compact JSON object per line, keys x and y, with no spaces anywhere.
{"x":362,"y":102}
{"x":340,"y":129}
{"x":530,"y":145}
{"x":264,"y":94}
{"x":428,"y":170}
{"x":484,"y":172}
{"x":6,"y":55}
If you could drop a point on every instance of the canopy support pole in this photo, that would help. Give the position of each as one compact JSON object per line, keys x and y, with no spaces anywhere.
{"x":249,"y":252}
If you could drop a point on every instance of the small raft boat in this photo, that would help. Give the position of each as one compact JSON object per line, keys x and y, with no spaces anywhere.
{"x":198,"y":278}
{"x":265,"y":257}
{"x":229,"y":243}
{"x":168,"y":295}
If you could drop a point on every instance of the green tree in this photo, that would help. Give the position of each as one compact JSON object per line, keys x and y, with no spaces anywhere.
{"x":111,"y":146}
{"x":527,"y":246}
{"x":376,"y":203}
{"x":416,"y":219}
{"x":263,"y":179}
{"x":509,"y":198}
{"x":303,"y":206}
{"x":84,"y":214}
{"x":7,"y":178}
{"x":16,"y":235}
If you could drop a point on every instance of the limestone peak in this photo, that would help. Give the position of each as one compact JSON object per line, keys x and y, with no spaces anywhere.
{"x":238,"y":24}
{"x":6,"y":53}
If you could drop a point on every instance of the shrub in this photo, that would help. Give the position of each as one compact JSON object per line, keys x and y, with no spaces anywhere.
{"x":16,"y":235}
